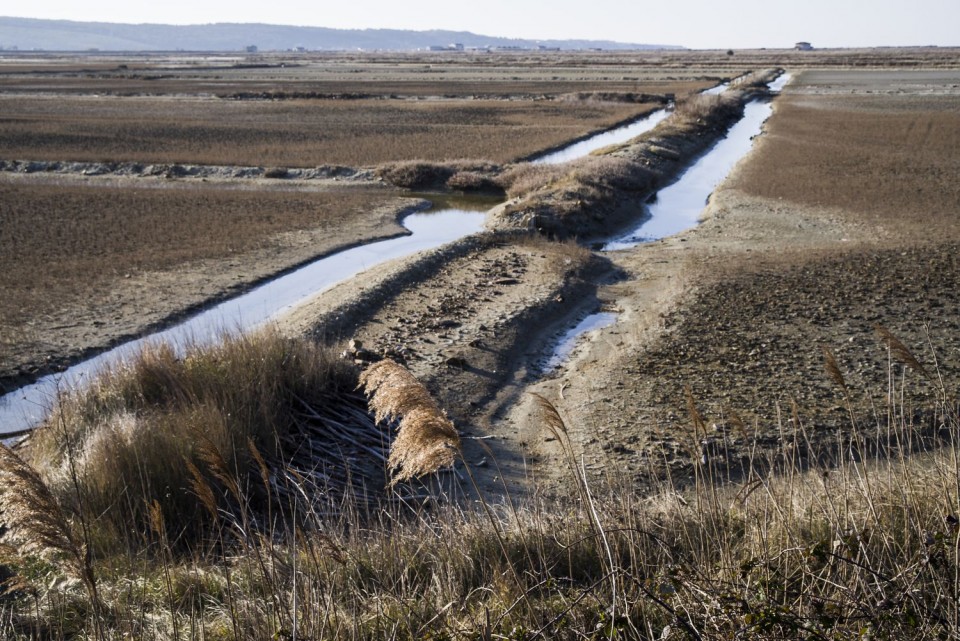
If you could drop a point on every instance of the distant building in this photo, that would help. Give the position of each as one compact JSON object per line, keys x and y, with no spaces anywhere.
{"x":454,"y":47}
{"x":803,"y":46}
{"x":251,"y":48}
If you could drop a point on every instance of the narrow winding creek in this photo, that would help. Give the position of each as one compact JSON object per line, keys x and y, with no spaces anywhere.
{"x":676,"y":209}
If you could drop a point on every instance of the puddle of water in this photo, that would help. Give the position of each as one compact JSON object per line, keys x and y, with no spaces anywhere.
{"x":601,"y":140}
{"x":571,"y":337}
{"x":28,"y":405}
{"x":678,"y":206}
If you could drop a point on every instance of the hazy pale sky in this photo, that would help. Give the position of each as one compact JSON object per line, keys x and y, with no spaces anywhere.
{"x":698,"y":24}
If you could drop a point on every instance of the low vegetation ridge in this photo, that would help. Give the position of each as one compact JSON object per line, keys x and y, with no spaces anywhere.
{"x":598,"y":194}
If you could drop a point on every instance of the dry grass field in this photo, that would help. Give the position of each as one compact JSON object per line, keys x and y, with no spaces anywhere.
{"x":764,"y":444}
{"x":80,"y":256}
{"x":889,"y":161}
{"x":292,"y":133}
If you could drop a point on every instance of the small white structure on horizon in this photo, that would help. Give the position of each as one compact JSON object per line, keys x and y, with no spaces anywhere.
{"x":456,"y":46}
{"x":803,"y":46}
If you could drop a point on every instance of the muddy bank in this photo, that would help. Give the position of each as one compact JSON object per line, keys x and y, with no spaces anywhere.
{"x":171,"y":171}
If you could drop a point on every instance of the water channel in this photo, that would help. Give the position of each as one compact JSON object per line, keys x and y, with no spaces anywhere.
{"x":679,"y":205}
{"x":27,"y":406}
{"x":603,"y":139}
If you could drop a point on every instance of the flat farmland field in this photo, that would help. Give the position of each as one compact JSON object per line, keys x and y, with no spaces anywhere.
{"x":320,"y":110}
{"x":293,"y":133}
{"x":399,"y":75}
{"x":881,"y":146}
{"x":75,"y":258}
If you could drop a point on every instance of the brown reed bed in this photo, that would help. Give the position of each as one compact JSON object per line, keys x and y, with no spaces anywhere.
{"x":293,"y":133}
{"x":866,"y":545}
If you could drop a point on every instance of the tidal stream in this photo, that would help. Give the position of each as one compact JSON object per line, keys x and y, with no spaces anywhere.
{"x":678,"y":206}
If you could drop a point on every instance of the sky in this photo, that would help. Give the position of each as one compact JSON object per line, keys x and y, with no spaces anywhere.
{"x":698,"y":24}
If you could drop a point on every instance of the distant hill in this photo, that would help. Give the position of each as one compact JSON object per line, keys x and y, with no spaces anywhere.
{"x":26,"y":34}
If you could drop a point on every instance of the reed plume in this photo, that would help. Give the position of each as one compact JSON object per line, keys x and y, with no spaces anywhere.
{"x":426,"y":439}
{"x":899,"y":351}
{"x":832,"y":368}
{"x":37,"y":523}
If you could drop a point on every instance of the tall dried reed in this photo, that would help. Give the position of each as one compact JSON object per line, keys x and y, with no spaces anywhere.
{"x":38,"y":526}
{"x":426,"y":439}
{"x":863,"y":544}
{"x":138,"y":429}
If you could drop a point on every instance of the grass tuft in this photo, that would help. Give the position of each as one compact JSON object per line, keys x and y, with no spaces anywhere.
{"x":151,"y":429}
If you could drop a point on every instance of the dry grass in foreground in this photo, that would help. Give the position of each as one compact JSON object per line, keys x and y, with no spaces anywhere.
{"x":866,"y":548}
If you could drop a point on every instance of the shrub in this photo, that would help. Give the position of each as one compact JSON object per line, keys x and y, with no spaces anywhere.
{"x":420,"y":174}
{"x":522,"y":179}
{"x":415,"y":174}
{"x":613,"y":172}
{"x":472,"y":181}
{"x":276,"y":172}
{"x":707,"y":109}
{"x":143,"y":430}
